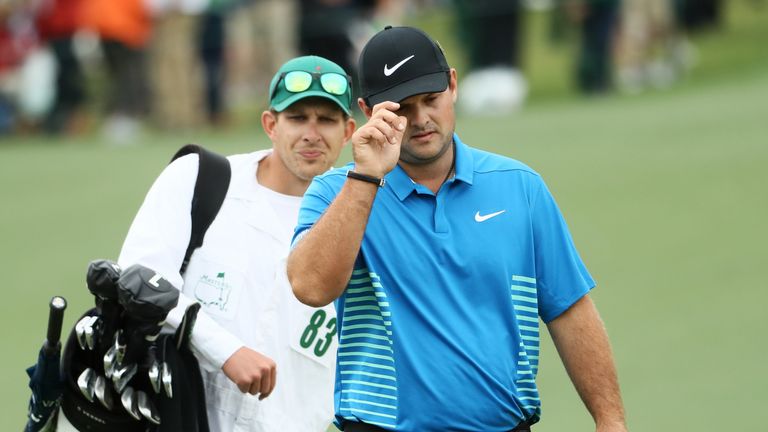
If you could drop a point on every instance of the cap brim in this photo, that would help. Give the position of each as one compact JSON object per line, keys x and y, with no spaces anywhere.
{"x":431,"y":83}
{"x":303,"y":95}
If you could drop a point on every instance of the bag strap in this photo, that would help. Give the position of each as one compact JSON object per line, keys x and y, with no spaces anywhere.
{"x":211,"y":187}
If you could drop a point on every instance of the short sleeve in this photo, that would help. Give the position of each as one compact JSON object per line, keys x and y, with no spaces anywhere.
{"x":561,"y":276}
{"x":316,"y":200}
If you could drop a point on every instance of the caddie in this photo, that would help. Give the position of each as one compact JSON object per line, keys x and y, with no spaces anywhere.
{"x":263,"y":354}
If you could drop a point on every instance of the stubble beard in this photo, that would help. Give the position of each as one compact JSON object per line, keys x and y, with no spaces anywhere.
{"x":307,"y":172}
{"x":412,"y":158}
{"x":303,"y":170}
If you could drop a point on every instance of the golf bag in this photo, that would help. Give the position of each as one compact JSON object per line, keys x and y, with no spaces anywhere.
{"x":135,"y":378}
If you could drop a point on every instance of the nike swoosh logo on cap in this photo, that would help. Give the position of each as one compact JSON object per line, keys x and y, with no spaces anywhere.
{"x":388,"y":71}
{"x":483,"y":218}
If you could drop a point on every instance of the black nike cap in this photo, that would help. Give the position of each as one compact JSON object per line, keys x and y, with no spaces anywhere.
{"x":399,"y":62}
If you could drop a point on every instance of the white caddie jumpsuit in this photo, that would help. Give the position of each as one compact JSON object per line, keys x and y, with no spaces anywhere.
{"x":238,"y":276}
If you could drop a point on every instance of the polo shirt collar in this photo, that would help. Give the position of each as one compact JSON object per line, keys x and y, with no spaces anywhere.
{"x":403,"y":186}
{"x":465,"y":163}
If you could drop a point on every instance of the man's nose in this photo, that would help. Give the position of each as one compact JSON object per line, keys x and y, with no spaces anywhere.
{"x":311,"y":134}
{"x":418,"y":118}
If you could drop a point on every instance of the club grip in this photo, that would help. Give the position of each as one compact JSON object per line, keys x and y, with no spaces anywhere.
{"x":55,"y":318}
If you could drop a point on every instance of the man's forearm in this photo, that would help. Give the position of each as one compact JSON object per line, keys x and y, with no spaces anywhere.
{"x":321,"y":263}
{"x":582,"y":342}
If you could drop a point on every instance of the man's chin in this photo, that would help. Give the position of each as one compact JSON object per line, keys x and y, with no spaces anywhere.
{"x":309,"y":171}
{"x":421,"y":154}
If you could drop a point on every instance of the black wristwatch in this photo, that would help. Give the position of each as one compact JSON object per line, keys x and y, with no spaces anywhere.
{"x":366,"y":178}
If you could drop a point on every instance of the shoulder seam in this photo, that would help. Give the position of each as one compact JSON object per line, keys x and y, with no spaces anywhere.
{"x":525,"y":170}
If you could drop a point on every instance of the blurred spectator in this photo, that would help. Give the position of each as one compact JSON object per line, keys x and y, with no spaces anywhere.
{"x":176,"y":72}
{"x":261,"y":36}
{"x":26,"y":70}
{"x":124,"y":27}
{"x":211,"y":48}
{"x":372,"y":19}
{"x":696,"y":15}
{"x":12,"y":51}
{"x":598,"y":19}
{"x":57,"y":23}
{"x":491,"y":31}
{"x":651,"y":52}
{"x":265,"y":33}
{"x":327,"y":29}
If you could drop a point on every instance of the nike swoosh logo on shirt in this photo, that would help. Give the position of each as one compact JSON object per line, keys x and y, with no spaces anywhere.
{"x":483,"y":218}
{"x":388,"y":71}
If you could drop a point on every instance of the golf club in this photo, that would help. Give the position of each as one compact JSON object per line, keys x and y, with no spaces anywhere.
{"x":120,"y":347}
{"x":154,"y":368}
{"x":129,"y":402}
{"x":80,"y":331}
{"x":110,"y":362}
{"x":147,"y":408}
{"x":85,"y":382}
{"x":167,"y":380}
{"x":103,"y":393}
{"x":90,"y":328}
{"x":121,"y":376}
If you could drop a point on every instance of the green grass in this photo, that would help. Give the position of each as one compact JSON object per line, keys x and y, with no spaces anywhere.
{"x":664,"y":193}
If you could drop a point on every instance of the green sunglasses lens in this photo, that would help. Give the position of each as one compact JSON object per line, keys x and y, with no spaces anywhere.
{"x":334,"y":83}
{"x":297,"y":81}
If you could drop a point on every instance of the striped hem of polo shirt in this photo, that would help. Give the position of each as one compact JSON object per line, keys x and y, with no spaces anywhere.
{"x":525,"y":302}
{"x":366,"y":364}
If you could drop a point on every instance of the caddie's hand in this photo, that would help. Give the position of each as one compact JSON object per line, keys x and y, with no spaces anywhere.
{"x":253,"y":373}
{"x":376,"y":144}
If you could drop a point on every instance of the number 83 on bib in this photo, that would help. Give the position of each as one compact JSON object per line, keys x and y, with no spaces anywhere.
{"x":314,"y":334}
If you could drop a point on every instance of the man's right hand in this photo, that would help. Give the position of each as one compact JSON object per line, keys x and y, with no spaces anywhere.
{"x":376,"y":144}
{"x":253,"y":373}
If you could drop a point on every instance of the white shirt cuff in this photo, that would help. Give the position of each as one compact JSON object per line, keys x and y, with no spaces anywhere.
{"x":211,"y":343}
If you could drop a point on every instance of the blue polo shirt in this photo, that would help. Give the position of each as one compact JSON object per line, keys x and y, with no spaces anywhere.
{"x":439,"y":324}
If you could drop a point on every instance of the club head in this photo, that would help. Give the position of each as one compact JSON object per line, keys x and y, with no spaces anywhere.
{"x":88,"y":336}
{"x":110,"y":361}
{"x":91,"y":328}
{"x":85,"y":382}
{"x":167,"y":380}
{"x":154,"y":376}
{"x":121,"y":376}
{"x":103,"y":393}
{"x":130,"y":403}
{"x":120,"y":346}
{"x":80,"y":332}
{"x":147,"y":408}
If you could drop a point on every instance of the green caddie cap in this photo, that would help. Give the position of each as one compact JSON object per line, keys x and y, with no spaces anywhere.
{"x":280,"y":98}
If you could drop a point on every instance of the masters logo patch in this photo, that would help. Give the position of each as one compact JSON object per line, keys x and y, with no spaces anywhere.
{"x":213,"y":292}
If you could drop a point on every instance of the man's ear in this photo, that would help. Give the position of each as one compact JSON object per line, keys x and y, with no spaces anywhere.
{"x":453,"y":84}
{"x":364,"y":108}
{"x":349,"y":128}
{"x":268,"y":122}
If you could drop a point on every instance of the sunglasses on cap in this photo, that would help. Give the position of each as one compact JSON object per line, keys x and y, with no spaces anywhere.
{"x":300,"y":81}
